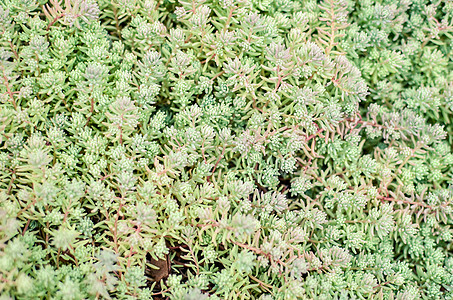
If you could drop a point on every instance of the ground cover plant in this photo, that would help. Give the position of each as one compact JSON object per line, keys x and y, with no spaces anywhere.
{"x":226,"y":149}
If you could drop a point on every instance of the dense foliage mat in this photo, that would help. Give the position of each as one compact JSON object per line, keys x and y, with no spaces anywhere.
{"x":226,"y":149}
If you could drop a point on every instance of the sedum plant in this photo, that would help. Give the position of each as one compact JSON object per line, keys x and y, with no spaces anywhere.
{"x":231,"y":149}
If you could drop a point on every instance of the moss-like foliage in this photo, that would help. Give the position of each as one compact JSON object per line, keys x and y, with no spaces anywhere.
{"x":226,"y":149}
